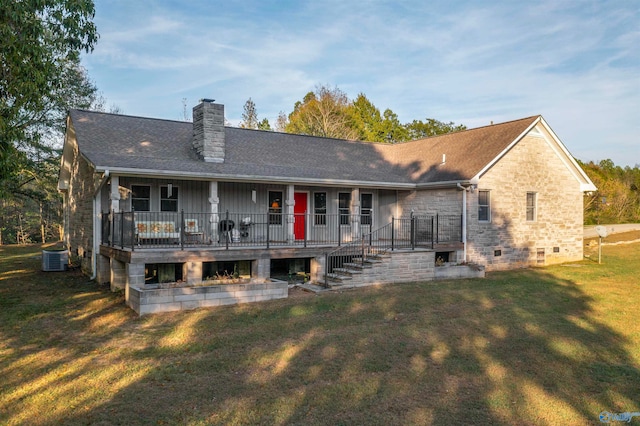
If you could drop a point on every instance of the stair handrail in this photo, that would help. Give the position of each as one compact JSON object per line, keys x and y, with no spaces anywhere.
{"x":368,"y":244}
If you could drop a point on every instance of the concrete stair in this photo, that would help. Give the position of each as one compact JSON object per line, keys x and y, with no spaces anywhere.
{"x":347,"y":276}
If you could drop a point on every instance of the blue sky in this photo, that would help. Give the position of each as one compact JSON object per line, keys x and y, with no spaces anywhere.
{"x":472,"y":62}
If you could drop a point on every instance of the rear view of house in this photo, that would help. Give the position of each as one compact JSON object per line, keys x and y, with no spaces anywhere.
{"x":151,"y":201}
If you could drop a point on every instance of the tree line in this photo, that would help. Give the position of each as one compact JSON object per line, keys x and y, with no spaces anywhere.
{"x":328,"y":112}
{"x":41,"y":78}
{"x":617,"y":199}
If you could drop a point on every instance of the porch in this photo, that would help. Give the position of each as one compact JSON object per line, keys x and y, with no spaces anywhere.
{"x":142,"y":248}
{"x":142,"y":231}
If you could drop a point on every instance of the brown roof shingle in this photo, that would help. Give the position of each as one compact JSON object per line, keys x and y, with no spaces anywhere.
{"x":146,"y":145}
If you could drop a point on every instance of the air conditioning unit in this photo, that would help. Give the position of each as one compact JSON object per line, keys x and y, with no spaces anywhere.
{"x":55,"y":260}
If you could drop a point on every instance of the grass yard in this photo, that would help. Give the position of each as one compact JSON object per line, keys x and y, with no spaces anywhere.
{"x":555,"y":345}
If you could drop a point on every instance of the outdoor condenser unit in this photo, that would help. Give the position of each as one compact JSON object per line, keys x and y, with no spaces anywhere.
{"x":55,"y":260}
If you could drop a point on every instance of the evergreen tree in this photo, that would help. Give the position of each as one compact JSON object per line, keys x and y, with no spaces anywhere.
{"x":249,"y":116}
{"x":264,"y":125}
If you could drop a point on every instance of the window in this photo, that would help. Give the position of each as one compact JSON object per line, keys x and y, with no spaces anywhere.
{"x":320,"y":208}
{"x":366,"y":208}
{"x":275,"y":207}
{"x":484,"y":206}
{"x":168,"y":199}
{"x":140,"y":198}
{"x":531,"y":206}
{"x":344,"y":206}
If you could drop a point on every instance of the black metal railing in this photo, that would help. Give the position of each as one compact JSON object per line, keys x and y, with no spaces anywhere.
{"x":401,"y":233}
{"x":227,"y":230}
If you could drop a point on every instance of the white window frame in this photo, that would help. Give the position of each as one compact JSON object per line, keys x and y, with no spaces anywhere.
{"x":138,"y":198}
{"x":320,"y":216}
{"x":366,"y":214}
{"x":532,"y":208}
{"x":487,"y":206}
{"x":275,"y":214}
{"x":341,"y":214}
{"x":174,"y":189}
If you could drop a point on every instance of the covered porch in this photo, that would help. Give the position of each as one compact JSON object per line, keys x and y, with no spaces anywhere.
{"x":182,"y":230}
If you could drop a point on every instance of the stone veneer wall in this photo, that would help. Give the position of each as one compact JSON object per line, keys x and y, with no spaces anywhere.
{"x":530,"y":166}
{"x":145,"y":301}
{"x":79,"y":210}
{"x":208,"y":131}
{"x":397,"y":267}
{"x":430,"y":202}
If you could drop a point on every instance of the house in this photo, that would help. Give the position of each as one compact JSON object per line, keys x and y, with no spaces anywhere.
{"x":149,"y":201}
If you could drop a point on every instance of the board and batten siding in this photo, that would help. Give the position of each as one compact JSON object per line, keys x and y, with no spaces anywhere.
{"x":251,"y":200}
{"x":193,"y":196}
{"x":236,"y":197}
{"x":387,"y":202}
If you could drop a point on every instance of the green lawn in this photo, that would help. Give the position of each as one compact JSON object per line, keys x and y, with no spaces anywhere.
{"x":555,"y":345}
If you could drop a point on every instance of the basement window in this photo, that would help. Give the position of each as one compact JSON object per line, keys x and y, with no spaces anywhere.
{"x":155,"y":273}
{"x":291,"y":270}
{"x":238,"y":268}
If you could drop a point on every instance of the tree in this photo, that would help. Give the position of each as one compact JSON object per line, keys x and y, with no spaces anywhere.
{"x":367,"y":119}
{"x":617,"y":199}
{"x":326,"y":113}
{"x":419,"y":129}
{"x":392,"y":129}
{"x":249,"y":116}
{"x":281,"y":122}
{"x":40,"y":45}
{"x":40,"y":79}
{"x":264,"y":125}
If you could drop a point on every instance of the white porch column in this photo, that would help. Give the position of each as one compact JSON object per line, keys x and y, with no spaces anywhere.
{"x":464,"y":224}
{"x":214,"y":205}
{"x":289,"y":209}
{"x":355,"y":214}
{"x":114,"y":194}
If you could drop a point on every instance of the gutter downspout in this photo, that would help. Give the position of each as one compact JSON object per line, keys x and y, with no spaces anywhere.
{"x":96,"y":230}
{"x":464,"y":219}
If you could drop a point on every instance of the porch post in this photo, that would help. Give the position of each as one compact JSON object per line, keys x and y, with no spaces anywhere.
{"x":355,"y":214}
{"x":289,"y":213}
{"x":114,"y":194}
{"x":214,"y":205}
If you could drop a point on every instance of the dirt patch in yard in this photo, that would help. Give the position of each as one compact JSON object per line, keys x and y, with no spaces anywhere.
{"x":615,"y":238}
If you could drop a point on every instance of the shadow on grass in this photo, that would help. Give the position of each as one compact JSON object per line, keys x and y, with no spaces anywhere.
{"x":516,"y":348}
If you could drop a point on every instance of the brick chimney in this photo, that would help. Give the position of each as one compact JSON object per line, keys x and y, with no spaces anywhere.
{"x":208,"y":131}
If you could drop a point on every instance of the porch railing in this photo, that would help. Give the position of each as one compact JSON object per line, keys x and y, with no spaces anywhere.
{"x":228,"y":230}
{"x":401,"y":233}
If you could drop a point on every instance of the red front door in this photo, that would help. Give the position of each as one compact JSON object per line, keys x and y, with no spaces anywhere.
{"x":299,"y":210}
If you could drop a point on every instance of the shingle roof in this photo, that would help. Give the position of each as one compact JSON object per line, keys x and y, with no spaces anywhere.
{"x":111,"y":141}
{"x":466,"y":153}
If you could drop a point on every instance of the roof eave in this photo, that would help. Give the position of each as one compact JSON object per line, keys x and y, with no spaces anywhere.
{"x":253,"y":178}
{"x":497,"y":158}
{"x":443,"y":184}
{"x":585,"y":186}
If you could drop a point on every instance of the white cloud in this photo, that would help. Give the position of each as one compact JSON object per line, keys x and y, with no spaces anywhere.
{"x":576,"y":63}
